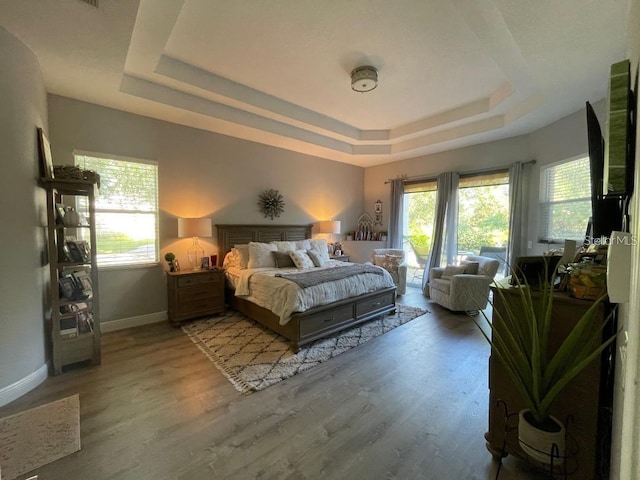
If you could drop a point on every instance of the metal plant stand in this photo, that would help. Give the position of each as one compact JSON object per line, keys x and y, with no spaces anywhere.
{"x":559,"y":466}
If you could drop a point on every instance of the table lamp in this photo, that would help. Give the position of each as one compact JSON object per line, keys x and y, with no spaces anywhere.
{"x":194,"y":228}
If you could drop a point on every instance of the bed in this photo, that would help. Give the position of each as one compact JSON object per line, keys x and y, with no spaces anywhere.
{"x":316,"y":322}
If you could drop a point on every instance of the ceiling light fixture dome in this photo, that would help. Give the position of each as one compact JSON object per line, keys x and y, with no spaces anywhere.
{"x":364,"y":79}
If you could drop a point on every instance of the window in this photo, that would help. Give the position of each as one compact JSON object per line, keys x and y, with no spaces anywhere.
{"x":126,"y":210}
{"x":483,"y":212}
{"x":565,"y":200}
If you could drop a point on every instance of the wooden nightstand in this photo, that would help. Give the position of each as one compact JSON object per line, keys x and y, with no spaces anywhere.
{"x":194,"y":294}
{"x":342,"y":258}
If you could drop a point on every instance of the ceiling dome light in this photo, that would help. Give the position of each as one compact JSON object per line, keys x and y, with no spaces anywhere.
{"x":364,"y":79}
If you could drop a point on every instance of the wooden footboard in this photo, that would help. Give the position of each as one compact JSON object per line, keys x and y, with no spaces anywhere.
{"x":322,"y":321}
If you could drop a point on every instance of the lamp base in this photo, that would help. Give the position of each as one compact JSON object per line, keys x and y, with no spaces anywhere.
{"x":195,"y":254}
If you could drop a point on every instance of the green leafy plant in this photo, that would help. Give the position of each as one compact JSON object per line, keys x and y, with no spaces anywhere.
{"x":521,"y":344}
{"x":169,"y":257}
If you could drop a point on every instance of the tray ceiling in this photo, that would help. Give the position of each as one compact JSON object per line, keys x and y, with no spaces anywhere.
{"x":451,"y":72}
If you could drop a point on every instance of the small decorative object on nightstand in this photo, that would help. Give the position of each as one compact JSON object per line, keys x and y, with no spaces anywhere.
{"x":341,"y":257}
{"x":193,"y":294}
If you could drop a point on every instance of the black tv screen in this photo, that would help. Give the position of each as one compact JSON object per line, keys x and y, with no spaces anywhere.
{"x":606,"y":212}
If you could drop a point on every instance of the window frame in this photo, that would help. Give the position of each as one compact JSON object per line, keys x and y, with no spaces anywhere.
{"x":545,"y":217}
{"x":120,"y":158}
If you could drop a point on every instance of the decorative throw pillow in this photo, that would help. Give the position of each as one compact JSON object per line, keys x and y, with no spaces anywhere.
{"x":243,"y":255}
{"x":231,"y":259}
{"x":301,"y":259}
{"x":471,"y":268}
{"x":378,"y":260}
{"x":282,"y":259}
{"x":451,"y":270}
{"x":320,"y":246}
{"x":260,"y":255}
{"x":391,"y":263}
{"x":316,"y":258}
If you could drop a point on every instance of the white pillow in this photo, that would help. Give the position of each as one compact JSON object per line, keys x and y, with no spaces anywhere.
{"x":260,"y":255}
{"x":320,"y":246}
{"x":302,"y":245}
{"x":285,"y":246}
{"x":243,"y":255}
{"x":301,"y":259}
{"x":316,"y":258}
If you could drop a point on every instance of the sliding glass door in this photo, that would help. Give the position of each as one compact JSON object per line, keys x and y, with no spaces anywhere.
{"x":483,"y":216}
{"x":419,"y":212}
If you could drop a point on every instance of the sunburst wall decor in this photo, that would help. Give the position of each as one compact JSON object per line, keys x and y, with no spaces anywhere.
{"x":271,"y":203}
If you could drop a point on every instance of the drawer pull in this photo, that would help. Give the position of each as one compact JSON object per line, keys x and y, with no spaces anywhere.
{"x":330,"y":319}
{"x":376,"y":304}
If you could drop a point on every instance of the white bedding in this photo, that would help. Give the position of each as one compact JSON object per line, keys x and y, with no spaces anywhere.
{"x":283,"y":297}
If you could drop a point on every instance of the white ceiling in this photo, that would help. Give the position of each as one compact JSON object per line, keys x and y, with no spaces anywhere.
{"x":452,"y":72}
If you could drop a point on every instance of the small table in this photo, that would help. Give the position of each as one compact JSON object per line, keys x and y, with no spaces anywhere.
{"x":194,"y":293}
{"x":342,"y":258}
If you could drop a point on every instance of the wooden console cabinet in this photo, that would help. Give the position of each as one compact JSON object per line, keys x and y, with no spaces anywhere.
{"x":586,"y":398}
{"x":193,"y":294}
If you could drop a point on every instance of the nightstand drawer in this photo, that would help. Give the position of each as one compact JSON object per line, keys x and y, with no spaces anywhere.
{"x":189,"y":294}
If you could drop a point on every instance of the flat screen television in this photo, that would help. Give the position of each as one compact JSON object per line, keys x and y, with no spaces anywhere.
{"x":606,"y":212}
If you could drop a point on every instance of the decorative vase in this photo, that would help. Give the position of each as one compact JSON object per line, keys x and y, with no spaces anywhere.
{"x":71,"y":218}
{"x":543,"y":445}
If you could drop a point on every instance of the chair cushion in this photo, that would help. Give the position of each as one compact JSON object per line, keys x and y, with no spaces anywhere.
{"x":471,"y":267}
{"x":391,"y":263}
{"x":441,"y":284}
{"x":378,"y":260}
{"x":451,"y":270}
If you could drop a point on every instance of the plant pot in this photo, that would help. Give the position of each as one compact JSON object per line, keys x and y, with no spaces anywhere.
{"x":539,"y":443}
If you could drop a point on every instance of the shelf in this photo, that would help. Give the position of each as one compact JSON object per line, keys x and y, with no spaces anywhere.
{"x":73,"y":346}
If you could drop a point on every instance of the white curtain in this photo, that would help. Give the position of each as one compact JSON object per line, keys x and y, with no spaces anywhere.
{"x":395,"y":216}
{"x":444,"y":243}
{"x":518,"y":173}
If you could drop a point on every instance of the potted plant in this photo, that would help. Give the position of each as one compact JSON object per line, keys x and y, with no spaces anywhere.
{"x":521,"y":345}
{"x":170,"y":257}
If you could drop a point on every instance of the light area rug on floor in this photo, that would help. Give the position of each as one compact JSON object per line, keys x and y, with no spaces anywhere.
{"x":253,"y":357}
{"x":40,"y":435}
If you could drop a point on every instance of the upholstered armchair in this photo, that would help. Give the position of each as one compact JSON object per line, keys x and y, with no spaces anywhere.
{"x":463,"y":288}
{"x":393,"y":261}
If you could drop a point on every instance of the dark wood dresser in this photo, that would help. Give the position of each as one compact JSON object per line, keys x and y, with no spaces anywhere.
{"x":587,"y":399}
{"x":193,"y":294}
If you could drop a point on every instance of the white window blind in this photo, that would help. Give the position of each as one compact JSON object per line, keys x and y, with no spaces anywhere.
{"x":126,"y":210}
{"x":565,"y":201}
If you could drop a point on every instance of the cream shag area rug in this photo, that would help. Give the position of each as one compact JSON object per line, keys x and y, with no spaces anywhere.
{"x":39,"y":436}
{"x":253,"y":357}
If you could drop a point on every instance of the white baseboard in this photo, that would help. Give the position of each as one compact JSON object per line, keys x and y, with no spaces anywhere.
{"x":16,"y":390}
{"x":129,"y":322}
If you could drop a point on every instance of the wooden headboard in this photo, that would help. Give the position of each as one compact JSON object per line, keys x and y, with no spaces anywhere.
{"x":230,"y":235}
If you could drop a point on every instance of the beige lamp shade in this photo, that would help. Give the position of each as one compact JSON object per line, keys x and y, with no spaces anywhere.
{"x":329,"y":226}
{"x":194,"y":227}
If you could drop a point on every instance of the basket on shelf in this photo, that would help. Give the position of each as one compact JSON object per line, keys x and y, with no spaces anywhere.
{"x":72,"y":172}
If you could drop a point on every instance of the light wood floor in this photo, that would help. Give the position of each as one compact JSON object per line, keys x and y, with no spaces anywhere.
{"x":410,"y":404}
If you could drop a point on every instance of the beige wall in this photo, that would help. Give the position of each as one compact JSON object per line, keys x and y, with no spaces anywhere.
{"x":200,"y":174}
{"x":23,"y":239}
